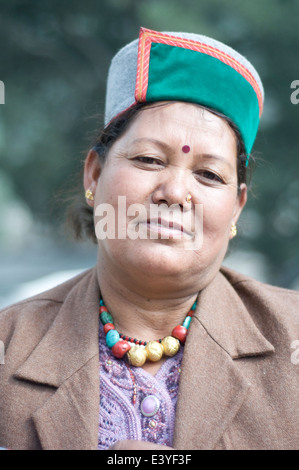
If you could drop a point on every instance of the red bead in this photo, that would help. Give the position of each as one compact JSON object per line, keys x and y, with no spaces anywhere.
{"x":103,"y":309}
{"x":120,"y":349}
{"x":180,"y":332}
{"x":108,"y":327}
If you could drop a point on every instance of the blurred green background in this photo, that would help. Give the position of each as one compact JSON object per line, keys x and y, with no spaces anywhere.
{"x":54,"y":60}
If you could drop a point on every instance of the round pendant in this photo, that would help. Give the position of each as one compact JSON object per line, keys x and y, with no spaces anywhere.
{"x":149,"y":405}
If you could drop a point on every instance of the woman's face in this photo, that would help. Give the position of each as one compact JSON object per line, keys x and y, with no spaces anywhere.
{"x":168,"y":152}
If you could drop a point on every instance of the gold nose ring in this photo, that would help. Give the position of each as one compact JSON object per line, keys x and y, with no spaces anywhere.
{"x":189,"y":197}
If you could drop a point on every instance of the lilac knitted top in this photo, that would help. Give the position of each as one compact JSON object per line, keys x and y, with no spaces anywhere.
{"x":121,"y":418}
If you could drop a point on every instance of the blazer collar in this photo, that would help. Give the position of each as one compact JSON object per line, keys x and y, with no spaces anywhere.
{"x":223,"y":314}
{"x":212,"y":387}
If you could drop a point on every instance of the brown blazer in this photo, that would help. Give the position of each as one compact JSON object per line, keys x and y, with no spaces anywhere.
{"x":239,"y":387}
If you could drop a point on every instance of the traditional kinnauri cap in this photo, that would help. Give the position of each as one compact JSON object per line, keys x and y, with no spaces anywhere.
{"x":186,"y":67}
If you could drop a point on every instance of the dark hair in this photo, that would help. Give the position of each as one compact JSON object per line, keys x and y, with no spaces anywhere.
{"x":80,"y":216}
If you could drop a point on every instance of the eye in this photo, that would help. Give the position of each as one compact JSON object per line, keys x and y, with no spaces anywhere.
{"x":148,"y":160}
{"x":210,"y":176}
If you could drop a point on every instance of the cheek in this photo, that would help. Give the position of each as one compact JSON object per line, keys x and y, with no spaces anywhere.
{"x":117,"y":190}
{"x":218,"y":209}
{"x":123,"y":182}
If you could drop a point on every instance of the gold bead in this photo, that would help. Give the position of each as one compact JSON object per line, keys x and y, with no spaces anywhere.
{"x":154,"y":351}
{"x":171,"y":345}
{"x":137,"y":356}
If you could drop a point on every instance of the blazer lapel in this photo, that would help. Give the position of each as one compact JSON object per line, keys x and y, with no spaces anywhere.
{"x":212,"y":388}
{"x":67,"y":359}
{"x":69,"y":420}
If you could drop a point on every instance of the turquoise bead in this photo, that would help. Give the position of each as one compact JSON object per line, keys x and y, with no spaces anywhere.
{"x":194,"y":305}
{"x":106,"y":318}
{"x":102,"y":303}
{"x":112,"y":337}
{"x":187,"y":321}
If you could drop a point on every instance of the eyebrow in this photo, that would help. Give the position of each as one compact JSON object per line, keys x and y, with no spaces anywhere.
{"x":217,"y":157}
{"x":157,"y":142}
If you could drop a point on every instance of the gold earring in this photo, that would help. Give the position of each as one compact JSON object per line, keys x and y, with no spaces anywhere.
{"x":188,"y":198}
{"x":233,"y":230}
{"x":89,"y":195}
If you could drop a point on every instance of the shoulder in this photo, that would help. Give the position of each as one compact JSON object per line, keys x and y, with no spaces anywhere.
{"x":39,"y":311}
{"x":243,"y":284}
{"x":272,"y":308}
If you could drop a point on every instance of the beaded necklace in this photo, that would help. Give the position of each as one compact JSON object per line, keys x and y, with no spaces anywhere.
{"x":138,"y":352}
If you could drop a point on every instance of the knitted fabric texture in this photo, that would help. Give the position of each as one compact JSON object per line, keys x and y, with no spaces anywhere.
{"x":119,"y":417}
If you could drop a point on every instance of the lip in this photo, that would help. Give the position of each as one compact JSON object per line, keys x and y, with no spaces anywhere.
{"x":167,"y":228}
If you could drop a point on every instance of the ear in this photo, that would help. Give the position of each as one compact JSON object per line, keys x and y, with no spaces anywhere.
{"x":92,"y":171}
{"x":241,"y":201}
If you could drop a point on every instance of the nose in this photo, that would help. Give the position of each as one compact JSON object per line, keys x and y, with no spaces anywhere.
{"x":173,"y":188}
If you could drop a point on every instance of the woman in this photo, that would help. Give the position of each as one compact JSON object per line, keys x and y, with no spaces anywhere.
{"x":186,"y":354}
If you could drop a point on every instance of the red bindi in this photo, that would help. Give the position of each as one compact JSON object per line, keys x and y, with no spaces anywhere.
{"x":186,"y":149}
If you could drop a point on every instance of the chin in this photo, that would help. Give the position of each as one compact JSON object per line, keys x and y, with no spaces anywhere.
{"x":160,"y":259}
{"x":148,"y":255}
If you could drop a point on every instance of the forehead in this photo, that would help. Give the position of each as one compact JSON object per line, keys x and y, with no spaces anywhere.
{"x":182,"y":124}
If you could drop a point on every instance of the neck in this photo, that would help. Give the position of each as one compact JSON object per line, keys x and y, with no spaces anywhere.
{"x":143,"y":314}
